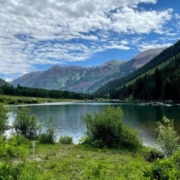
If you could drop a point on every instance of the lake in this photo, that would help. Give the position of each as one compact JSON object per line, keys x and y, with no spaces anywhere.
{"x":68,"y":117}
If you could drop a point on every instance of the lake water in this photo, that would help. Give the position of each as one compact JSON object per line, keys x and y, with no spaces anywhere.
{"x":68,"y":117}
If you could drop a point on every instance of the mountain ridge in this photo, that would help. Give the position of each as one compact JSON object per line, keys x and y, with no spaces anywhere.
{"x":83,"y":79}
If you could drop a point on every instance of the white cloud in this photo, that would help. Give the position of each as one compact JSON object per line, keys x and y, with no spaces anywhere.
{"x":152,"y":45}
{"x":56,"y":31}
{"x":8,"y":79}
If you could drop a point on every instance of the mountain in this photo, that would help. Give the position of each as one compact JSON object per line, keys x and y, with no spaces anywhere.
{"x":28,"y":79}
{"x":2,"y":82}
{"x":158,"y":61}
{"x":84,"y":79}
{"x":128,"y":67}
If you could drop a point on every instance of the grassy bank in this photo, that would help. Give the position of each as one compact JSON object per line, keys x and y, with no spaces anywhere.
{"x":110,"y":151}
{"x":17,"y":100}
{"x":78,"y":162}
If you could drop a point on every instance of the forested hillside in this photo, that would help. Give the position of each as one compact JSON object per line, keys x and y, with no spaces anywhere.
{"x":118,"y":83}
{"x":163,"y":84}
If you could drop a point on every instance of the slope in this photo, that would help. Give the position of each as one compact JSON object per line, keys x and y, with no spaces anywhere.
{"x":162,"y":83}
{"x":159,"y":59}
{"x":2,"y":82}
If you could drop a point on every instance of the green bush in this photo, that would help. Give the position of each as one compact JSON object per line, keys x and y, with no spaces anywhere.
{"x":18,"y":140}
{"x":65,"y":140}
{"x":164,"y":168}
{"x":8,"y":171}
{"x":19,"y":101}
{"x":47,"y":133}
{"x":1,"y":100}
{"x":153,"y":155}
{"x":3,"y":119}
{"x":107,"y":129}
{"x":25,"y":124}
{"x":167,"y":136}
{"x":10,"y":148}
{"x":12,"y":102}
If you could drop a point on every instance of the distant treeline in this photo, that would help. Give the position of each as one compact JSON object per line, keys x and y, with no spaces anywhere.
{"x":164,"y":84}
{"x":36,"y":92}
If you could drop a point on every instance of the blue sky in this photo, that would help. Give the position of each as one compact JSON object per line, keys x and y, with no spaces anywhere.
{"x":35,"y":35}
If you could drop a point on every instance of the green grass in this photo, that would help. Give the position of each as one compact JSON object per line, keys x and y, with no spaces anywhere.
{"x":80,"y":162}
{"x":5,"y":99}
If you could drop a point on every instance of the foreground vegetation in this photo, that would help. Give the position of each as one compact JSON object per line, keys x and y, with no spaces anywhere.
{"x":59,"y":161}
{"x":108,"y":151}
{"x":21,"y":160}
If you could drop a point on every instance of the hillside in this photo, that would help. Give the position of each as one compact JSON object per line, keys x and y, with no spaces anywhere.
{"x":162,"y":57}
{"x":84,"y":79}
{"x":2,"y":82}
{"x":162,"y":84}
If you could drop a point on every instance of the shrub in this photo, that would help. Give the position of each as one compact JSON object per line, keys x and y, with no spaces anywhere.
{"x":3,"y":119}
{"x":164,"y":168}
{"x":65,"y":140}
{"x":167,"y":136}
{"x":107,"y":129}
{"x":153,"y":155}
{"x":34,"y":101}
{"x":9,"y":171}
{"x":27,"y":101}
{"x":25,"y":124}
{"x":11,"y":148}
{"x":19,"y":140}
{"x":1,"y":100}
{"x":12,"y":102}
{"x":47,"y":133}
{"x":20,"y":101}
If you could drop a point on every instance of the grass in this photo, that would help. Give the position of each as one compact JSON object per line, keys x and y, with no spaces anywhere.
{"x":6,"y":99}
{"x":81,"y":162}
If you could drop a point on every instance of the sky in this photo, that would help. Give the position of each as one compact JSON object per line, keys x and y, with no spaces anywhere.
{"x":38,"y":34}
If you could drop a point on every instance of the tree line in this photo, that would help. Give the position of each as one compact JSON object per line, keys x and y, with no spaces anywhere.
{"x":37,"y":92}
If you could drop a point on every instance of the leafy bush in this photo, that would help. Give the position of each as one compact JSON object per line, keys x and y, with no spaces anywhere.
{"x":25,"y":124}
{"x":167,"y":136}
{"x":18,"y":140}
{"x":13,"y":147}
{"x":12,"y":102}
{"x":164,"y":168}
{"x":107,"y":129}
{"x":20,"y":101}
{"x":47,"y":133}
{"x":1,"y":100}
{"x":153,"y":155}
{"x":65,"y":140}
{"x":9,"y":171}
{"x":3,"y":119}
